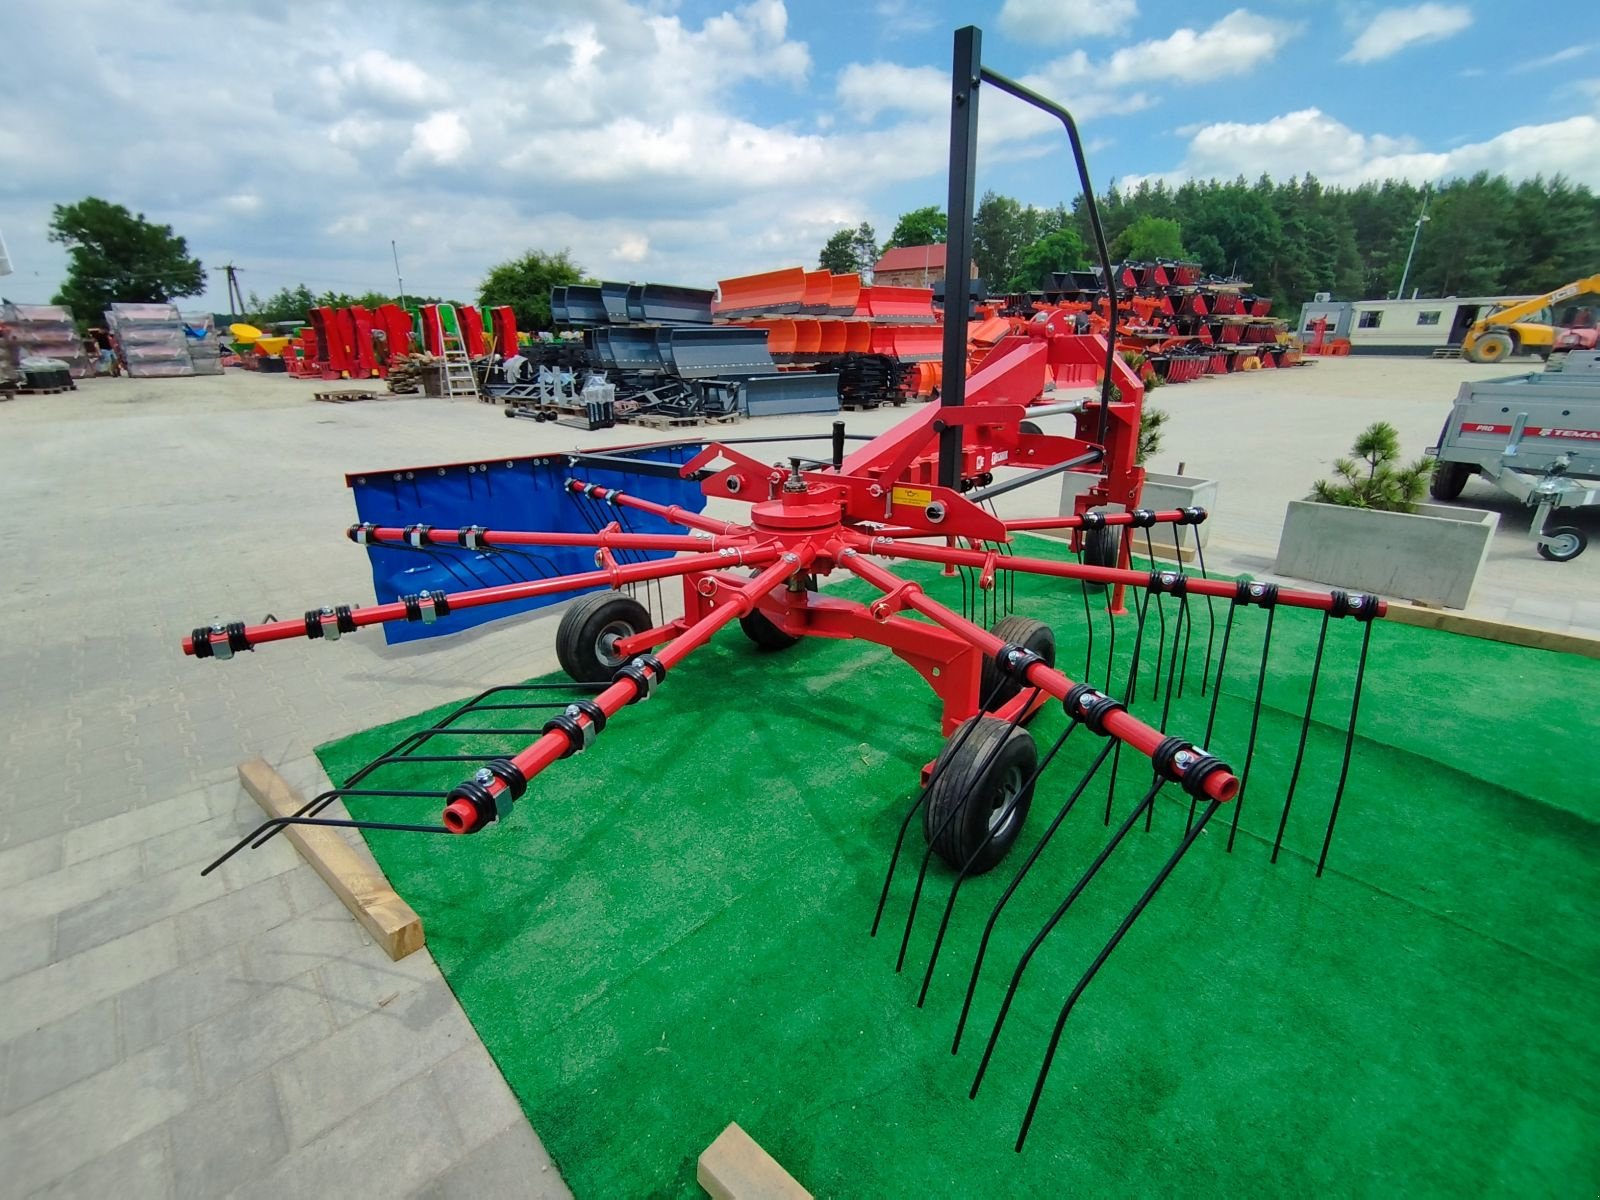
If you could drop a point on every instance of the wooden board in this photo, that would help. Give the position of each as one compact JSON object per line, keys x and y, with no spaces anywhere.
{"x":1494,"y":631}
{"x":734,"y":1167}
{"x":354,"y":877}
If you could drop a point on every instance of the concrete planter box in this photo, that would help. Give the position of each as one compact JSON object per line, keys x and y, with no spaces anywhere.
{"x":1432,"y":555}
{"x":1161,"y":492}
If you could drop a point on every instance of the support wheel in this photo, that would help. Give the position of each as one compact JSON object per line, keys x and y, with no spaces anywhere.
{"x":1029,"y":427}
{"x":586,"y":639}
{"x":1565,"y":544}
{"x":1021,"y":631}
{"x":1101,"y":548}
{"x":978,"y":800}
{"x":758,"y":627}
{"x":1493,"y":347}
{"x":1448,"y":480}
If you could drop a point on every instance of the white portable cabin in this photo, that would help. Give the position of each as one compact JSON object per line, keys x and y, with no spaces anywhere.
{"x":1399,"y":326}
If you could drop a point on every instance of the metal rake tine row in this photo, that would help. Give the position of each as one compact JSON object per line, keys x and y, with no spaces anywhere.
{"x":922,"y":798}
{"x":1349,"y":745}
{"x":1128,"y":691}
{"x":1016,"y":881}
{"x":1161,"y":616}
{"x":956,"y":810}
{"x":1100,"y":961}
{"x":265,"y":831}
{"x":1172,"y":672}
{"x":1055,"y":918}
{"x":1211,"y":612}
{"x":1255,"y":725}
{"x":1305,"y":730}
{"x":966,"y":867}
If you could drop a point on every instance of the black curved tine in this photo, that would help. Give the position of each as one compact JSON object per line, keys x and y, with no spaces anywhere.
{"x":958,"y":808}
{"x":277,"y":823}
{"x":1111,"y":648}
{"x":1100,"y":960}
{"x":1187,"y":622}
{"x":1077,"y":890}
{"x":1349,"y":743}
{"x":966,"y":606}
{"x":1211,"y":612}
{"x":1166,"y":707}
{"x":1255,"y":723}
{"x":1088,"y":624}
{"x":922,"y":798}
{"x":1016,"y":881}
{"x":1216,"y":692}
{"x":961,"y":876}
{"x":1128,"y":694}
{"x":1305,"y":729}
{"x":1161,"y":614}
{"x":314,"y":808}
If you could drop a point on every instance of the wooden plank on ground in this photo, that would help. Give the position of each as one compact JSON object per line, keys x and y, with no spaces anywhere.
{"x":734,"y":1167}
{"x":1494,"y":631}
{"x":356,"y":880}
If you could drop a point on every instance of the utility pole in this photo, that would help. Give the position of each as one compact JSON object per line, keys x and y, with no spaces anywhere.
{"x":1415,"y":237}
{"x":235,"y":293}
{"x":401,"y":282}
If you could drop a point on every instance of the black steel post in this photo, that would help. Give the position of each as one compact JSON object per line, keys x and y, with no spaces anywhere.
{"x":964,"y":79}
{"x":838,"y":445}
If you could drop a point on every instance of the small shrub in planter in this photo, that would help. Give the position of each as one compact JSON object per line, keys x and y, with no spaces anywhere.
{"x":1373,"y":478}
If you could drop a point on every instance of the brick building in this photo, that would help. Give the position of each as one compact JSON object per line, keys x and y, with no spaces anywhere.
{"x":912,"y":266}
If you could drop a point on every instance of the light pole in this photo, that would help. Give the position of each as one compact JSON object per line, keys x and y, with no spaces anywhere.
{"x":1415,"y":237}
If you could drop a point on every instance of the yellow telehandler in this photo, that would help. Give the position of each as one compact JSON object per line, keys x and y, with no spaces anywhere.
{"x":1530,"y":325}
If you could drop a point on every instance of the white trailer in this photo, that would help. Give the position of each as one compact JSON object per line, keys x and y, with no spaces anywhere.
{"x":1399,"y":326}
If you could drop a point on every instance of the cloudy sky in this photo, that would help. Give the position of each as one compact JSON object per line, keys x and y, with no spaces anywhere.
{"x":682,"y":142}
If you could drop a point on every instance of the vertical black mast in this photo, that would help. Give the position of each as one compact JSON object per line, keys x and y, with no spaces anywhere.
{"x":958,"y":242}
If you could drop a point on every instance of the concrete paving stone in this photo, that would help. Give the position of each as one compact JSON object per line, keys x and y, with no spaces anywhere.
{"x":26,"y":947}
{"x":308,"y":941}
{"x":198,"y":844}
{"x":253,"y":1036}
{"x":140,"y":1169}
{"x":379,"y":1151}
{"x":366,"y":980}
{"x":134,"y":826}
{"x":228,"y":1141}
{"x":177,"y":1000}
{"x":133,"y":906}
{"x":22,"y":863}
{"x":71,"y":886}
{"x":76,"y":983}
{"x":46,"y":1060}
{"x":308,"y":891}
{"x":322,"y":1085}
{"x":236,"y":917}
{"x":29,"y":823}
{"x":477,"y":1094}
{"x":511,"y":1163}
{"x":95,"y":1116}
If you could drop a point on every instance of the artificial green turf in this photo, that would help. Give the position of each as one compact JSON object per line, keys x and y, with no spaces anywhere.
{"x":671,"y":933}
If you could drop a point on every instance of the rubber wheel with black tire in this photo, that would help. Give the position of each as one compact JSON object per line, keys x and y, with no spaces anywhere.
{"x":1029,"y":427}
{"x":1101,"y":548}
{"x":589,"y":630}
{"x":1493,"y":347}
{"x":980,"y":795}
{"x":1448,"y":480}
{"x":1019,"y":631}
{"x":1566,"y":544}
{"x":758,"y":627}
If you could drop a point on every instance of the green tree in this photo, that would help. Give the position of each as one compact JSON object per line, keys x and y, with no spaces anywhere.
{"x":998,"y":238}
{"x":865,"y":241}
{"x":1062,"y":250}
{"x":285,"y":304}
{"x":524,"y":283}
{"x":839,"y":253}
{"x":1148,"y":239}
{"x":1373,"y":477}
{"x":920,"y":227}
{"x":114,"y":256}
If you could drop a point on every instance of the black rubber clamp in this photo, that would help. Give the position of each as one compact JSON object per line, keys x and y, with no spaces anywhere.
{"x":483,"y":804}
{"x":1192,"y":516}
{"x":508,"y":773}
{"x":416,"y":536}
{"x":471,"y":536}
{"x":1094,"y":520}
{"x":361,"y":534}
{"x":1360,"y":605}
{"x":1142,"y":518}
{"x":236,"y":637}
{"x":347,"y":623}
{"x":1253,"y":591}
{"x":200,"y":639}
{"x":644,"y":672}
{"x":1172,"y":583}
{"x":1014,"y":661}
{"x":1192,"y":772}
{"x":313,"y":623}
{"x":1088,"y":704}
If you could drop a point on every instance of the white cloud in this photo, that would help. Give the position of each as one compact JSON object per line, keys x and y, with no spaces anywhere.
{"x":1064,"y":20}
{"x":1560,"y":56}
{"x":377,"y":78}
{"x":1395,"y":29}
{"x":1234,"y":45}
{"x":867,"y":89}
{"x":244,"y":203}
{"x":441,"y":139}
{"x":1311,"y":140}
{"x":632,"y":249}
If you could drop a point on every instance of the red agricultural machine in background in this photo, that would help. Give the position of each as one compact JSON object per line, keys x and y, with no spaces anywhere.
{"x":923,"y":492}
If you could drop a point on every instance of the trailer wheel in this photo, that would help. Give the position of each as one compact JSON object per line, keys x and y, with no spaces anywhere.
{"x":1493,"y":347}
{"x":1020,"y":631}
{"x":1565,"y":544}
{"x":758,"y":627}
{"x":1448,"y":480}
{"x":587,"y":635}
{"x":981,"y":793}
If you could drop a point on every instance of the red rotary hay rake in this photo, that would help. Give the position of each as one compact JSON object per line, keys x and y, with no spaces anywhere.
{"x":923,"y":492}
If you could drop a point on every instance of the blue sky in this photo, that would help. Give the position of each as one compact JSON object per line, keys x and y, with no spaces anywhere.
{"x":687,"y":141}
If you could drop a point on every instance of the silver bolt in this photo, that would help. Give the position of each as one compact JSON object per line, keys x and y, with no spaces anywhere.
{"x":484,"y":775}
{"x":848,"y":554}
{"x":791,"y":557}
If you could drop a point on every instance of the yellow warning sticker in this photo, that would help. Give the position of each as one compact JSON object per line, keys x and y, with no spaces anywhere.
{"x":917,"y":497}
